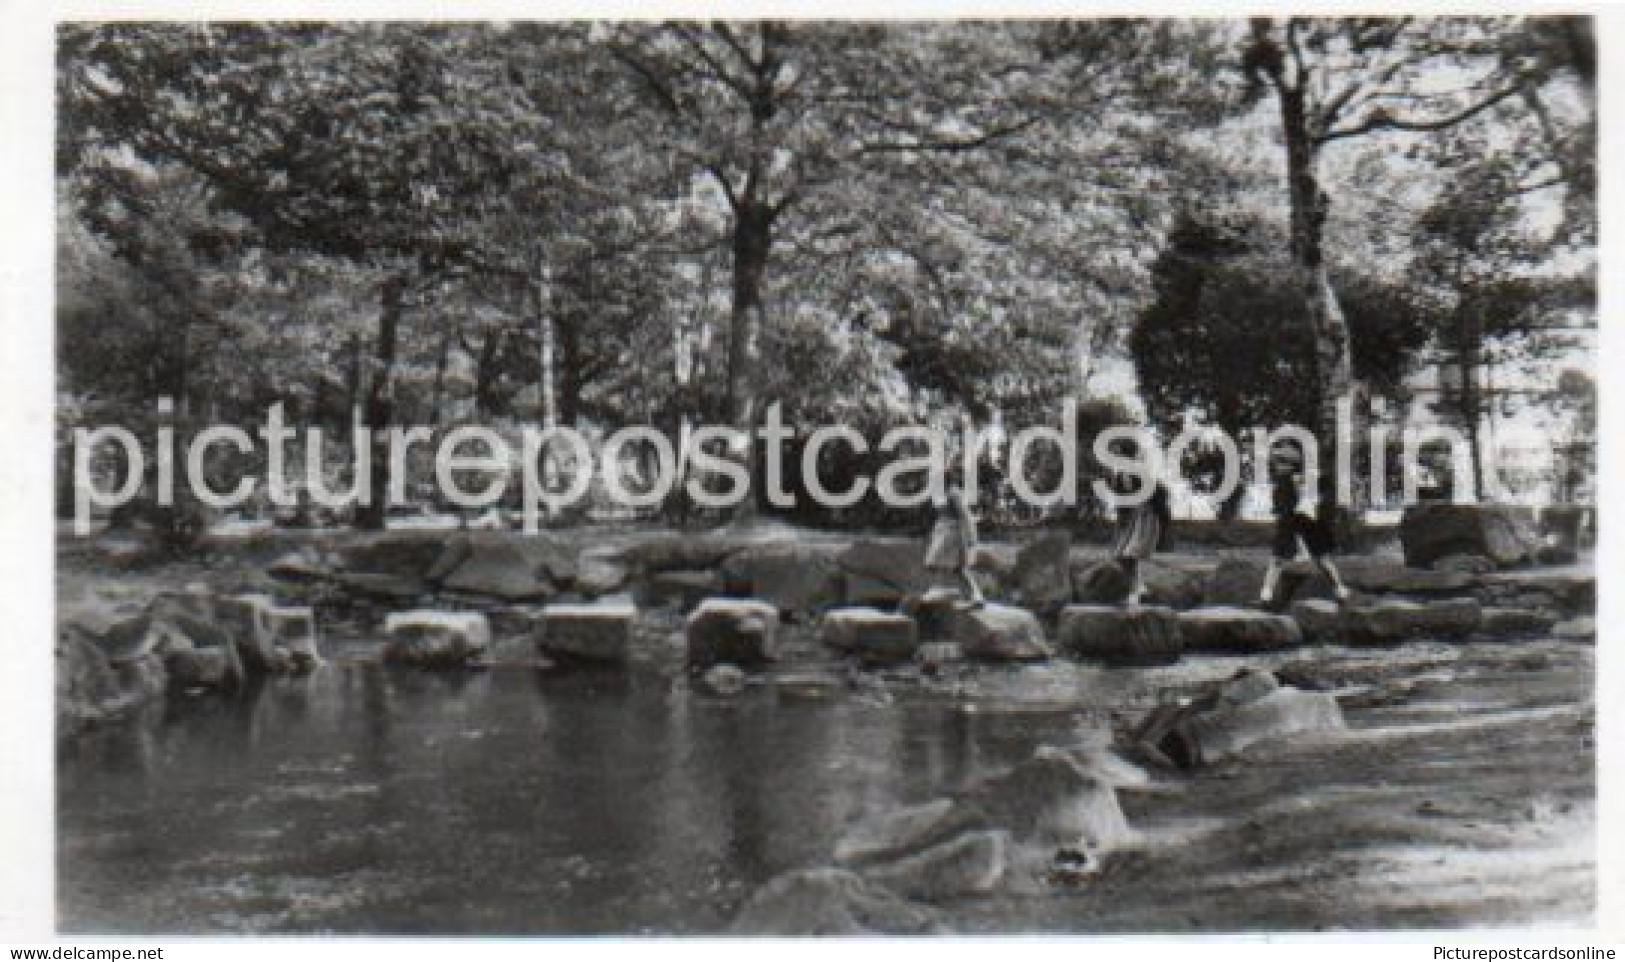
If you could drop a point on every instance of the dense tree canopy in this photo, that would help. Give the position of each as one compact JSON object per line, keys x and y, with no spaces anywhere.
{"x":877,"y":223}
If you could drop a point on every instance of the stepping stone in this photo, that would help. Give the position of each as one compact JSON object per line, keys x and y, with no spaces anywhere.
{"x":874,"y":636}
{"x":736,"y":631}
{"x":595,"y":633}
{"x":1505,"y":534}
{"x":1393,"y":621}
{"x":1237,"y":630}
{"x":997,"y":632}
{"x":436,"y":639}
{"x":272,"y":637}
{"x":1121,"y":636}
{"x":1103,"y":583}
{"x":1053,"y":800}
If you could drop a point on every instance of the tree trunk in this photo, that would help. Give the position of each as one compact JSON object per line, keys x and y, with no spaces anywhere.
{"x":1472,"y":402}
{"x":1334,"y":370}
{"x":752,"y":242}
{"x":380,"y":407}
{"x":546,"y":341}
{"x":486,"y":373}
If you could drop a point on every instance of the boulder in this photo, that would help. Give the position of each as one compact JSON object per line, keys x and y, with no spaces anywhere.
{"x":997,"y":632}
{"x":905,"y":831}
{"x":683,"y":590}
{"x":1515,"y":622}
{"x":601,"y":573}
{"x":1041,"y":578}
{"x":1052,"y":800}
{"x":1121,"y":636}
{"x":600,"y":633}
{"x":436,"y":639}
{"x":873,"y":636}
{"x":882,"y":572}
{"x":968,"y":864}
{"x":1171,"y":587}
{"x":508,"y":567}
{"x":737,"y":631}
{"x":1103,"y":583}
{"x":1393,"y":621}
{"x":91,"y":690}
{"x":797,"y":579}
{"x":1237,"y":630}
{"x":1232,"y":726}
{"x":828,"y":902}
{"x":1505,"y":534}
{"x":723,"y":680}
{"x":271,"y":637}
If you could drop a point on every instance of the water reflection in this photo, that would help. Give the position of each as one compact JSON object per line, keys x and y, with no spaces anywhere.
{"x":373,"y":799}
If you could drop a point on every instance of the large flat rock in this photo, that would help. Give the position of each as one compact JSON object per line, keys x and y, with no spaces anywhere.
{"x":1394,"y":621}
{"x":435,"y":639}
{"x":1117,"y":635}
{"x":872,"y":635}
{"x":997,"y":632}
{"x":1242,"y":630}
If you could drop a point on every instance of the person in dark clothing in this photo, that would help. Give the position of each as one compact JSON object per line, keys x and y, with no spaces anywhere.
{"x":1297,"y":531}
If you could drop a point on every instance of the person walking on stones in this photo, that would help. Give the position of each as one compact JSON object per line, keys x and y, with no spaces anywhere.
{"x":953,"y":539}
{"x":1297,"y":531}
{"x":1142,"y":529}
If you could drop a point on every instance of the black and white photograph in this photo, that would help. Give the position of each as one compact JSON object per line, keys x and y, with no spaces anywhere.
{"x":1064,"y":475}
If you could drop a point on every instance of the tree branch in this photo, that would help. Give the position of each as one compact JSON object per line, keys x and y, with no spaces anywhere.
{"x":1382,"y":120}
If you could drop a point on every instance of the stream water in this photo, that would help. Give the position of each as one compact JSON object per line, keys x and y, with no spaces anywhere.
{"x":370,"y":799}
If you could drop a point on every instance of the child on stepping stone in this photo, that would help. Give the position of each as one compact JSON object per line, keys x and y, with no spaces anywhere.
{"x":953,"y":538}
{"x":1297,"y":531}
{"x":1141,"y":530}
